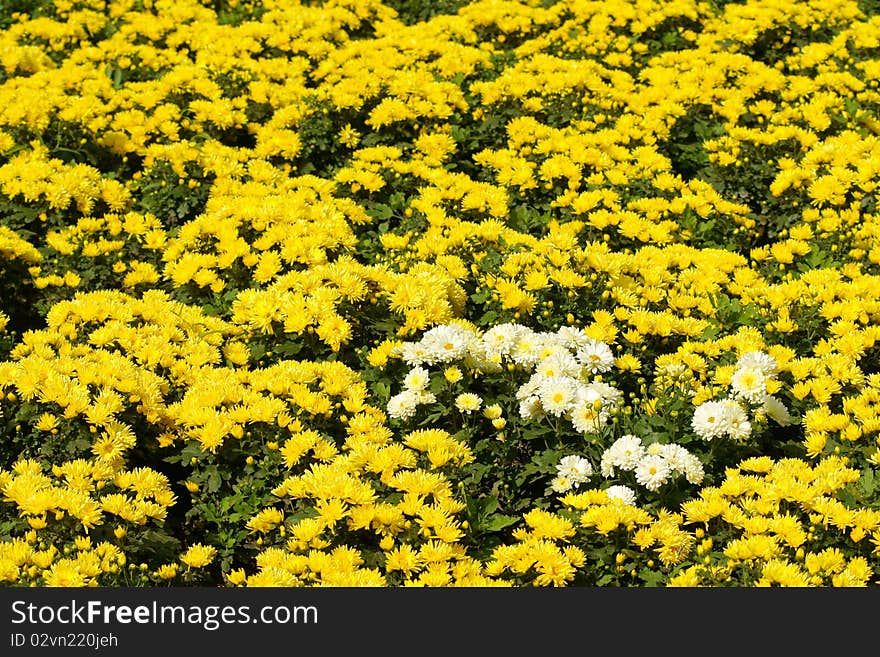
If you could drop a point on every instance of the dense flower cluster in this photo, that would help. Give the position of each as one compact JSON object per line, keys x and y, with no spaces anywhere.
{"x":561,"y":365}
{"x":654,"y":464}
{"x":750,"y":385}
{"x":490,"y":293}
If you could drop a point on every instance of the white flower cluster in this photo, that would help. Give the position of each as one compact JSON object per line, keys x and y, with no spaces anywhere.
{"x":724,"y":417}
{"x":442,"y":344}
{"x":748,"y":389}
{"x":415,"y":391}
{"x":561,"y":383}
{"x":623,"y":493}
{"x":562,"y":365}
{"x":571,"y":472}
{"x":653,"y":465}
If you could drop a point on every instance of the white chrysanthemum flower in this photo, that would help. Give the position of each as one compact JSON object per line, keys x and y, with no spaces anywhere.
{"x":549,"y":352}
{"x":652,"y":471}
{"x":530,"y":407}
{"x":531,"y":387}
{"x":623,"y":493}
{"x":675,"y":454}
{"x":735,"y":420}
{"x":526,"y":350}
{"x":413,"y":353}
{"x":606,"y":464}
{"x":586,"y":419}
{"x":572,"y":337}
{"x":560,"y":484}
{"x":478,"y":358}
{"x":502,"y":338}
{"x":776,"y":411}
{"x":656,"y":448}
{"x":760,"y":360}
{"x":679,"y":460}
{"x":559,"y":363}
{"x":596,"y":356}
{"x":672,"y":370}
{"x":693,"y":469}
{"x":589,"y":411}
{"x":448,"y":342}
{"x":468,"y":402}
{"x":626,"y":452}
{"x":611,"y":396}
{"x":749,"y":383}
{"x":708,"y":420}
{"x":550,"y":342}
{"x":576,"y":469}
{"x":403,"y":405}
{"x":557,"y":394}
{"x":417,"y":379}
{"x":426,"y":397}
{"x":590,"y":394}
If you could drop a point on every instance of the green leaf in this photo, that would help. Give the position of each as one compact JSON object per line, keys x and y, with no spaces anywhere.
{"x":382,"y":390}
{"x":497,"y":522}
{"x":438,"y":384}
{"x":381,"y":212}
{"x":289,"y":348}
{"x":866,"y":481}
{"x":160,"y":546}
{"x":651,"y":577}
{"x":604,"y":580}
{"x":214,"y":480}
{"x":490,"y":505}
{"x":193,"y":450}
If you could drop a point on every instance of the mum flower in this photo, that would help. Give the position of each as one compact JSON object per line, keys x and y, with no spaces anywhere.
{"x":502,"y":338}
{"x":681,"y":460}
{"x":727,"y":417}
{"x":561,"y":484}
{"x":749,"y":383}
{"x":576,"y":469}
{"x":760,"y":360}
{"x":417,"y":379}
{"x":708,"y":420}
{"x":558,"y":364}
{"x":625,"y":453}
{"x":623,"y":493}
{"x":587,"y":414}
{"x":595,"y":356}
{"x":403,"y":405}
{"x":652,"y":471}
{"x":467,"y":402}
{"x":530,"y":407}
{"x":199,"y":556}
{"x":557,"y":394}
{"x":776,"y":410}
{"x":736,"y":420}
{"x":448,"y":342}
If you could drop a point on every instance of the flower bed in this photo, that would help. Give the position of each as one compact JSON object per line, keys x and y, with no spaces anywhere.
{"x":490,"y":293}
